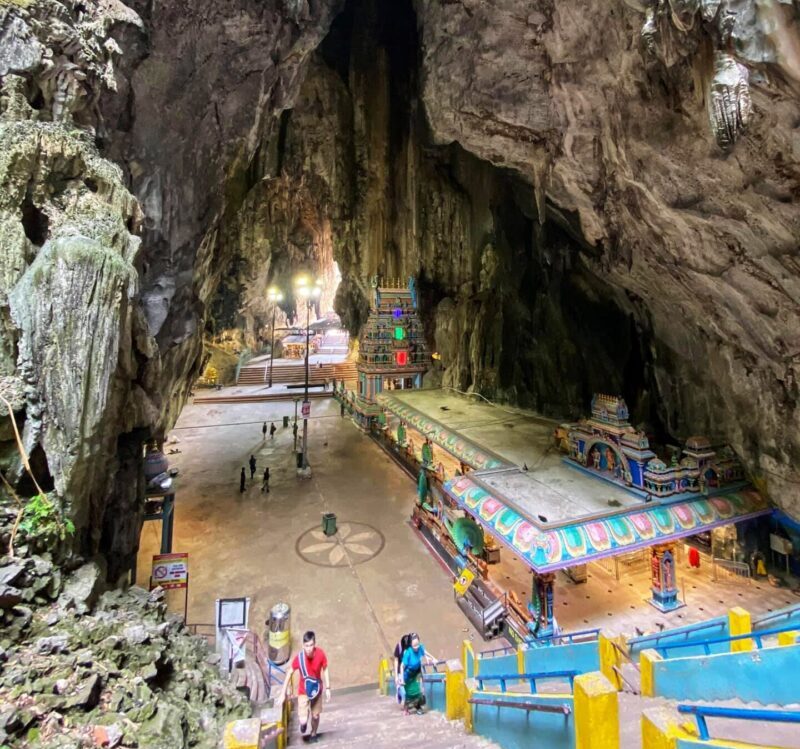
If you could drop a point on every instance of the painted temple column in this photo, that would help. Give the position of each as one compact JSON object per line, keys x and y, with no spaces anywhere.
{"x":663,"y":578}
{"x":542,"y":604}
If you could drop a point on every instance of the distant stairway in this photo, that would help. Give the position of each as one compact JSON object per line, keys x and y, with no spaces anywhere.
{"x":294,"y":374}
{"x":366,"y":720}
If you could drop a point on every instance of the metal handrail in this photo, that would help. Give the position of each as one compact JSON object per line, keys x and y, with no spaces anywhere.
{"x":529,"y":677}
{"x":527,"y":706}
{"x":757,"y":636}
{"x":782,"y":614}
{"x":507,"y":649}
{"x":672,"y":633}
{"x":561,"y":636}
{"x":701,"y":712}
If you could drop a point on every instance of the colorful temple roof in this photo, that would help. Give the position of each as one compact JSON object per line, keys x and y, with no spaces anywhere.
{"x":589,"y":539}
{"x":392,"y":340}
{"x":468,"y":452}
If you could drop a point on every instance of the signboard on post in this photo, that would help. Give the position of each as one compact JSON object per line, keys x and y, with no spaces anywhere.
{"x":305,"y":411}
{"x":231,"y":616}
{"x":170,"y":571}
{"x":463,"y":581}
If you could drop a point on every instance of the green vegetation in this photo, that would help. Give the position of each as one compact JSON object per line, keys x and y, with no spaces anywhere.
{"x":42,"y":518}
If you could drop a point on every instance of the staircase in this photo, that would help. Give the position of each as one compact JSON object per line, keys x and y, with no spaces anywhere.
{"x":366,"y":720}
{"x":295,"y":374}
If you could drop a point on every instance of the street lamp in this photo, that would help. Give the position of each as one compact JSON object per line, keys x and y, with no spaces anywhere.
{"x":309,"y":291}
{"x":275,"y":296}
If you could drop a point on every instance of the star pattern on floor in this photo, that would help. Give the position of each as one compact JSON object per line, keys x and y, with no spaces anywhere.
{"x":352,"y":544}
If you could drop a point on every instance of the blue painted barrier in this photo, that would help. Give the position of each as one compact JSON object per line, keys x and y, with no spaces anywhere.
{"x":531,"y":678}
{"x":582,"y":657}
{"x":506,"y":720}
{"x":766,"y":676}
{"x":701,"y":712}
{"x":712,"y":628}
{"x":434,"y":688}
{"x":498,"y":664}
{"x":710,"y":646}
{"x":564,"y":638}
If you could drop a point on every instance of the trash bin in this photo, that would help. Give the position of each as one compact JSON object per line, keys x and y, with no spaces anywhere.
{"x":279,"y":640}
{"x":299,"y":460}
{"x":328,"y":523}
{"x":285,"y":422}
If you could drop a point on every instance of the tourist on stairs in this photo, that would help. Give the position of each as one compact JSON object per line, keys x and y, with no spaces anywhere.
{"x":413,"y":658}
{"x":312,"y":665}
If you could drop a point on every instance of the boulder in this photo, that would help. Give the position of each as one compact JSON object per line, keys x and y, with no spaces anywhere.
{"x":82,"y":588}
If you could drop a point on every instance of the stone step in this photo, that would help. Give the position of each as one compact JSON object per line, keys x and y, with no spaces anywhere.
{"x":372,"y":721}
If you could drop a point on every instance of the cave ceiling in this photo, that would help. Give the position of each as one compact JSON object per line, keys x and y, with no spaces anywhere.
{"x":594,"y":196}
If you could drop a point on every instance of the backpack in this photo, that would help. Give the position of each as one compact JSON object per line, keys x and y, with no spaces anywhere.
{"x":310,"y":684}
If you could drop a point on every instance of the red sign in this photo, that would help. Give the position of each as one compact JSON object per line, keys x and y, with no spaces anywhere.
{"x":170,"y":571}
{"x":401,"y":358}
{"x":306,"y":409}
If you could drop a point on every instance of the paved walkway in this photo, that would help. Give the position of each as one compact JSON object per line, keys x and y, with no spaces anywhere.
{"x":359,"y":595}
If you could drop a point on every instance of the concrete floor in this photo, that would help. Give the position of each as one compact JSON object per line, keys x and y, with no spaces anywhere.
{"x":269,"y":547}
{"x":246,"y":544}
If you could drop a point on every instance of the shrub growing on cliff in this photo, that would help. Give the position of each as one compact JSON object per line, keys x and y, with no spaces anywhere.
{"x":42,"y":518}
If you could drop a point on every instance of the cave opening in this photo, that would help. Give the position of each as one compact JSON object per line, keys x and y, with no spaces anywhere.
{"x":35,"y":222}
{"x":26,"y":487}
{"x":531,"y":319}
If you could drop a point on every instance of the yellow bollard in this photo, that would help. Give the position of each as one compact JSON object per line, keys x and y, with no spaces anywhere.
{"x":596,"y":712}
{"x":455,"y":691}
{"x":739,"y":624}
{"x":383,"y":676}
{"x":242,"y":734}
{"x":659,"y":730}
{"x":609,"y":660}
{"x":787,"y":638}
{"x":467,"y":655}
{"x":469,"y":690}
{"x":646,"y":660}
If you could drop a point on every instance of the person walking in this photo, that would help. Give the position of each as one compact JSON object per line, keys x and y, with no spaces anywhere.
{"x":252,"y":466}
{"x":265,"y":481}
{"x":264,"y":430}
{"x":411,"y":678}
{"x":312,"y":665}
{"x":341,"y":409}
{"x":294,"y":431}
{"x":272,"y":430}
{"x":399,"y":650}
{"x":242,"y":481}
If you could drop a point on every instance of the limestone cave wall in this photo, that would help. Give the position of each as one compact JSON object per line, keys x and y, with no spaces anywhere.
{"x":594,"y":196}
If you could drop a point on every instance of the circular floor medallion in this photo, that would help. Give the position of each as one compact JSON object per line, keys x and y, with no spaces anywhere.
{"x":353,"y":543}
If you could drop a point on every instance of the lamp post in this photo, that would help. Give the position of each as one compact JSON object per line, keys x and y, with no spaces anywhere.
{"x":274,"y":295}
{"x":308,"y":292}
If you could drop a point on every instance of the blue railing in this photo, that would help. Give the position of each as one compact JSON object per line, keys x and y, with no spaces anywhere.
{"x":690,"y":630}
{"x":435,"y":666}
{"x":757,"y":636}
{"x":788,"y":613}
{"x":589,"y":635}
{"x":529,"y":677}
{"x":503,"y":651}
{"x":271,"y":678}
{"x":702,"y":712}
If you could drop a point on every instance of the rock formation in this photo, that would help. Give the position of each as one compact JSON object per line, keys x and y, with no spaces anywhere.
{"x":594,"y":196}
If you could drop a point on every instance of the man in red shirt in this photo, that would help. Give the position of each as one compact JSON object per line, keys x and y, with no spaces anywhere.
{"x":312,"y":665}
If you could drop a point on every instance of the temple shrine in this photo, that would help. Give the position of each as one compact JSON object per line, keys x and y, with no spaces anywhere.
{"x":392,"y":351}
{"x":477,"y":497}
{"x":608,"y":446}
